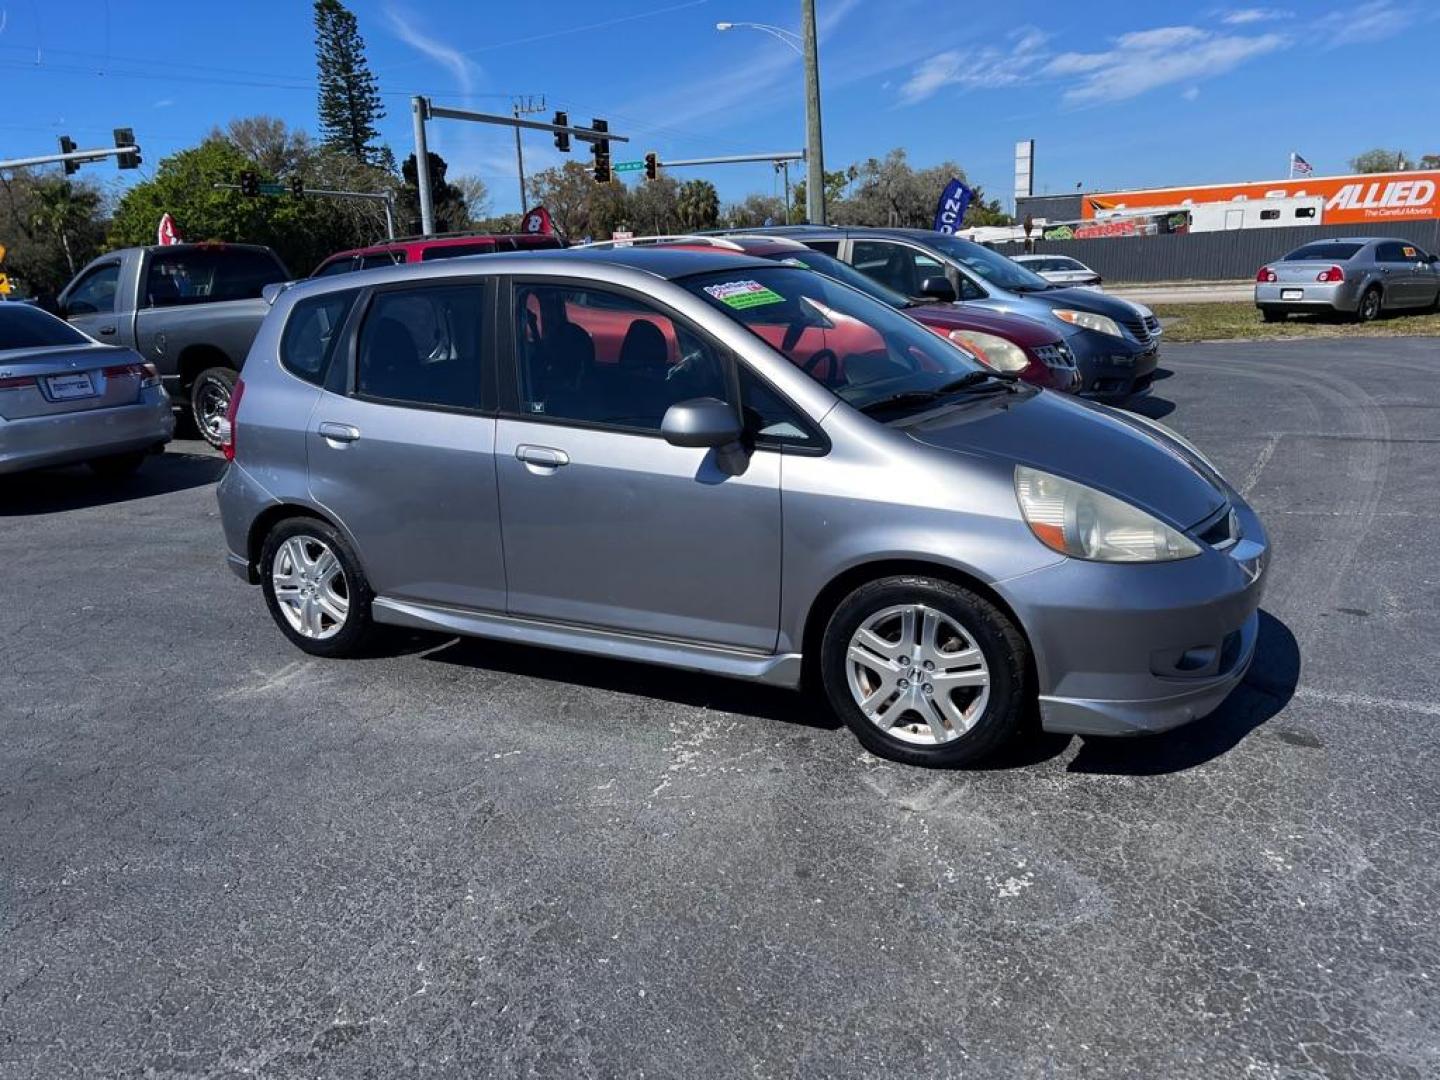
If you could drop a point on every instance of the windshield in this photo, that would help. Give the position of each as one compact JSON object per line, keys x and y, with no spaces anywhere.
{"x":25,"y":327}
{"x":832,"y":267}
{"x":1326,"y":250}
{"x":990,"y":265}
{"x":863,"y":350}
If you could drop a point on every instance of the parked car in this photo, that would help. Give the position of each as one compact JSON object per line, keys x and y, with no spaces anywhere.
{"x":636,"y":453}
{"x":1060,"y":270}
{"x":66,"y":398}
{"x":415,"y":249}
{"x":1115,"y":343}
{"x":190,"y":309}
{"x":1010,"y":343}
{"x":1363,"y":276}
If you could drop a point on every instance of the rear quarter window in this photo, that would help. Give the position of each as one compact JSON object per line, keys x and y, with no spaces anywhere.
{"x":312,"y":332}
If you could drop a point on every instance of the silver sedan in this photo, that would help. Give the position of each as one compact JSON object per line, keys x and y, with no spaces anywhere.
{"x":66,"y":398}
{"x":1359,"y":276}
{"x":1061,"y":270}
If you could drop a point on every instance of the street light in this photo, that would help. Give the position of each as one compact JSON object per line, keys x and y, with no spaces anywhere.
{"x":805,"y":44}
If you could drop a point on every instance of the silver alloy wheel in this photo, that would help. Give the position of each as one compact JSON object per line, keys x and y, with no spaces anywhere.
{"x":310,"y":587}
{"x":211,"y":405}
{"x":917,"y":674}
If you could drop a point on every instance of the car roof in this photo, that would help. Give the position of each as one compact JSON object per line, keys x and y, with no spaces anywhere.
{"x":401,"y":243}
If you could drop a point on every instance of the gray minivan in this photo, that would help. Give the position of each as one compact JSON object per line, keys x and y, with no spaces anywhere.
{"x":723,"y":464}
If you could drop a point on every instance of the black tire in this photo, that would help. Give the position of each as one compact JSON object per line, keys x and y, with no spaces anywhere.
{"x":358,"y":628}
{"x":1370,"y":306}
{"x":1270,"y":314}
{"x":116,"y":466}
{"x":1003,"y":647}
{"x":209,"y":400}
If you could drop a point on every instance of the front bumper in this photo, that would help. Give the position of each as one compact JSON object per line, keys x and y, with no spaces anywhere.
{"x":1113,"y":369}
{"x":1307,"y":296}
{"x":68,"y":438}
{"x":1129,"y":649}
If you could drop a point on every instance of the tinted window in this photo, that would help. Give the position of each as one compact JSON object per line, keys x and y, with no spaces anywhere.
{"x":423,"y":346}
{"x":25,"y":327}
{"x":606,"y":358}
{"x":829,"y":247}
{"x":95,"y":294}
{"x":206,"y":275}
{"x":311,"y":334}
{"x":861,"y":349}
{"x":899,"y":267}
{"x":987,"y":264}
{"x":1398,"y":252}
{"x":841,"y":271}
{"x":1329,"y":250}
{"x":451,"y":251}
{"x":339,"y":266}
{"x":380,"y":258}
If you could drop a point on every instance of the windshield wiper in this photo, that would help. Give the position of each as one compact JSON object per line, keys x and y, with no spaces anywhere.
{"x":967,"y":381}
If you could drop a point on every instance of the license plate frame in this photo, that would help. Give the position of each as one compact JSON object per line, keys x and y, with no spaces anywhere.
{"x":1292,"y":294}
{"x":71,"y":386}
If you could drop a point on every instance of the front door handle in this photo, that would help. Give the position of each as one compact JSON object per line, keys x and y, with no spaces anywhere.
{"x":343,"y":433}
{"x":547,"y":456}
{"x":107,"y":331}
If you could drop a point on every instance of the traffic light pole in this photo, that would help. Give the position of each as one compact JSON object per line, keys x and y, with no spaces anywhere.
{"x":788,"y":155}
{"x":422,"y":110}
{"x":74,"y":155}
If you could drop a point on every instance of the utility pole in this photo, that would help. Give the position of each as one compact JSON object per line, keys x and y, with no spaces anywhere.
{"x":784,"y":166}
{"x":524,"y":107}
{"x":814,"y":153}
{"x":420,"y":112}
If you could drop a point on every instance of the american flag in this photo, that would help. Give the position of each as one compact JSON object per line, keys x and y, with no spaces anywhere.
{"x":1300,"y":167}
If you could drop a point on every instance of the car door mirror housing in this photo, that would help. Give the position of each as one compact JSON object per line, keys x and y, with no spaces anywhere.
{"x":938,"y":288}
{"x":705,"y":422}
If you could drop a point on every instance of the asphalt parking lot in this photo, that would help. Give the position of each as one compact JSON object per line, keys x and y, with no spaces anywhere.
{"x":219,"y":857}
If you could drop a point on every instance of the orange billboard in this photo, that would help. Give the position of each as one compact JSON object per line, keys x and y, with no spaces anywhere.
{"x":1366,"y":198}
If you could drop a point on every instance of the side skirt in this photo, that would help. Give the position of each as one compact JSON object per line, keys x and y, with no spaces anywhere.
{"x":781,"y":669}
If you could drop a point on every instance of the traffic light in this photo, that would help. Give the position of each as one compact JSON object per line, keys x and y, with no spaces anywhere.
{"x":297,"y":187}
{"x":652,"y":166}
{"x":126,"y":137}
{"x":601,"y":150}
{"x":562,"y":138}
{"x":249,"y":184}
{"x":67,"y":146}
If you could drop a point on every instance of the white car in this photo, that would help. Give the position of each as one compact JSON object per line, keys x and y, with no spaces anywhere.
{"x":1060,"y":269}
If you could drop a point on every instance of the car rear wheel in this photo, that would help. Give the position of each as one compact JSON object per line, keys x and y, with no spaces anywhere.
{"x":315,"y":589}
{"x":210,"y":401}
{"x":116,"y":465}
{"x":925,"y":672}
{"x":1370,"y":305}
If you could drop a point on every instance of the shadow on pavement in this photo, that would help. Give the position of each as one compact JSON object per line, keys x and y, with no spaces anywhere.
{"x":642,"y":680}
{"x":1265,"y":691}
{"x":53,"y":491}
{"x":1153,"y":407}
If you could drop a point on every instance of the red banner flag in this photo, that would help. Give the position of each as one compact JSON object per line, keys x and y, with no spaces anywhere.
{"x":167,"y":234}
{"x":537,"y":221}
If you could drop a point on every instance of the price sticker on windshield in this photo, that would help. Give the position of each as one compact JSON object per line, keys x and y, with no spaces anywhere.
{"x":744,"y":294}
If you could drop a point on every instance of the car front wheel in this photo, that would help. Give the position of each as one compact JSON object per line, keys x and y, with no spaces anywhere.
{"x":210,"y":401}
{"x":315,"y":589}
{"x":924,"y":671}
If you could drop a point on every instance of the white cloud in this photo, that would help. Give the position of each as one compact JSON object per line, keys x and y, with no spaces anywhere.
{"x":1372,"y":21}
{"x":1143,"y":60}
{"x":163,"y":103}
{"x":403,"y":23}
{"x":1190,"y":93}
{"x":1246,"y":16}
{"x":983,"y":68}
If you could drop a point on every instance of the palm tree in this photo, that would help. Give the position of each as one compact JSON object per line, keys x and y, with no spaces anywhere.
{"x":698,"y":205}
{"x":61,"y":209}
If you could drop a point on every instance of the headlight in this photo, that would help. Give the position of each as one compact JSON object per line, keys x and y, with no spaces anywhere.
{"x":991,"y":351}
{"x":1088,"y":320}
{"x":1087,"y":524}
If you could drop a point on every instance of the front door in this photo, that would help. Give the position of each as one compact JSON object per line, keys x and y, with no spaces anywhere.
{"x":402,"y":452}
{"x":606,"y":524}
{"x":90,"y":305}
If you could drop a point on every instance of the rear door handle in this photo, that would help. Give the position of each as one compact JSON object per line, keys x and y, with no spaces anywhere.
{"x":108,"y":331}
{"x":344,"y":433}
{"x":547,"y":456}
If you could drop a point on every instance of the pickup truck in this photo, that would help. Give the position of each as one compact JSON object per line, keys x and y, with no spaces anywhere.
{"x":192,"y":310}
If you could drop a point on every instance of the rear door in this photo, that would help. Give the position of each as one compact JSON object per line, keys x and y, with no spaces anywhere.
{"x":401,"y":444}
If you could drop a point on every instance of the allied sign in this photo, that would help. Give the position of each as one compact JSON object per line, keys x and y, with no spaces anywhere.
{"x":950,"y":210}
{"x":1366,"y":198}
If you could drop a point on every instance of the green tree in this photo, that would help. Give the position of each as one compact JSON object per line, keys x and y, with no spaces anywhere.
{"x":62,"y":211}
{"x":475,"y":193}
{"x":1430,"y":161}
{"x":51,"y":227}
{"x":1380,"y":160}
{"x":655,"y":207}
{"x":698,"y":205}
{"x":565,"y":191}
{"x":755,"y":210}
{"x":349,"y":100}
{"x":835,"y":184}
{"x":983,"y":211}
{"x":447,"y":202}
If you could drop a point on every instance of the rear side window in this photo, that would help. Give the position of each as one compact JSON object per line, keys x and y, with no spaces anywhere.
{"x":208,"y":275}
{"x":311,"y":334}
{"x":452,"y":251}
{"x":379,"y":259}
{"x":337,"y":266}
{"x":829,"y":247}
{"x":422,"y":346}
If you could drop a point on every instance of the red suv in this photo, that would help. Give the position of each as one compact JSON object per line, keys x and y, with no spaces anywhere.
{"x":1011,"y":343}
{"x":425,"y":248}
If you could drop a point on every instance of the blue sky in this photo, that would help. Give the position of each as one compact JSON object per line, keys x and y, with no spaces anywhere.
{"x":1116,"y":93}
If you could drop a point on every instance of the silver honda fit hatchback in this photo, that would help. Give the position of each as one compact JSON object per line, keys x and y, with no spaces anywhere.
{"x":721,"y":464}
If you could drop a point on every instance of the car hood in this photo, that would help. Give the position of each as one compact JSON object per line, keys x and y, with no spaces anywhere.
{"x":1086,"y":300}
{"x":1020,"y":329}
{"x":1088,"y":443}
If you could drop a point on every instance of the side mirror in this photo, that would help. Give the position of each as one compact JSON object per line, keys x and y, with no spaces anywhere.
{"x":938,"y":288}
{"x":700,"y":422}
